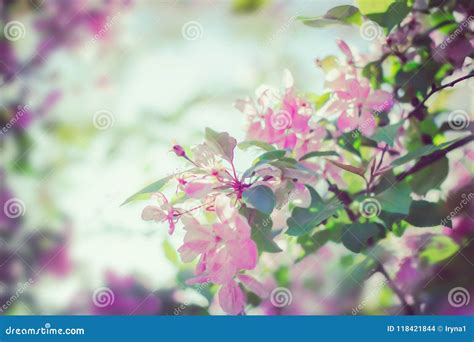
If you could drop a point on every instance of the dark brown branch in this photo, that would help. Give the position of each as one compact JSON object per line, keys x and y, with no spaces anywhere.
{"x":345,"y":198}
{"x":426,"y":161}
{"x":434,"y":90}
{"x":409,"y":310}
{"x":433,"y":157}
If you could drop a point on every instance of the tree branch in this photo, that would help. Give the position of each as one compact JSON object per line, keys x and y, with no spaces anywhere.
{"x":433,"y":157}
{"x":409,"y":310}
{"x":435,"y":89}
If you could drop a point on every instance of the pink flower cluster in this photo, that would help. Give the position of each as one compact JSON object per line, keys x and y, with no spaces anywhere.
{"x":221,"y":241}
{"x":225,"y":249}
{"x":354,"y":102}
{"x":283,"y":119}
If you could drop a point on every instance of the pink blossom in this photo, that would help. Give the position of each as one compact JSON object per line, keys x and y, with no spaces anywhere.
{"x":357,"y":104}
{"x":232,"y":298}
{"x":161,"y":213}
{"x":225,"y":247}
{"x":277,"y":118}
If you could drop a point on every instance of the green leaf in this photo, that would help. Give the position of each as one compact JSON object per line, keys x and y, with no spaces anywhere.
{"x":265,"y":158}
{"x":319,"y":154}
{"x":395,"y":199}
{"x":261,"y":225}
{"x":170,"y":253}
{"x":345,"y":15}
{"x":389,"y":219}
{"x":222,"y":143}
{"x":386,"y":13}
{"x":358,"y":236}
{"x":248,"y":6}
{"x":260,"y":197}
{"x":271,"y":155}
{"x":430,"y":177}
{"x":244,"y":145}
{"x":303,"y":220}
{"x":350,"y":141}
{"x":429,"y":214}
{"x":311,"y":244}
{"x":374,"y":72}
{"x":416,"y":154}
{"x":320,"y":100}
{"x":147,"y":191}
{"x":423,"y":151}
{"x":386,"y":133}
{"x":283,"y":276}
{"x":440,"y":248}
{"x":373,"y":6}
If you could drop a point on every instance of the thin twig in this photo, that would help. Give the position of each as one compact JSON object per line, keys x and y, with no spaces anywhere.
{"x":409,"y":310}
{"x":434,"y":90}
{"x":433,"y":157}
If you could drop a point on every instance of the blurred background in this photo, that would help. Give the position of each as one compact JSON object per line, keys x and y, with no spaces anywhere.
{"x":93,"y":94}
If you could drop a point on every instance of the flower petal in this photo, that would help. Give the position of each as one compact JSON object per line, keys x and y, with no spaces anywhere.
{"x":244,"y":254}
{"x":346,"y":123}
{"x":231,"y":298}
{"x":152,"y":212}
{"x":380,"y":101}
{"x":254,"y":285}
{"x":197,"y":189}
{"x":224,"y":209}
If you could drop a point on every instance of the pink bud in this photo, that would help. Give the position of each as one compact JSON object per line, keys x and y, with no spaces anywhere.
{"x":179,"y":150}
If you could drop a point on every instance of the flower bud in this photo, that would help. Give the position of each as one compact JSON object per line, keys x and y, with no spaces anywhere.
{"x":179,"y":150}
